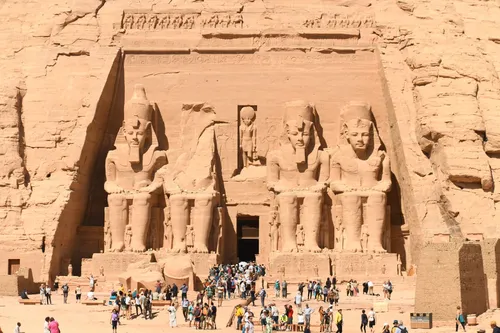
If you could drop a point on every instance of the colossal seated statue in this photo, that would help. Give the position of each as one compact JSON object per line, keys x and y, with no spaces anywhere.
{"x":297,"y":174}
{"x":189,"y":184}
{"x":130,"y":169}
{"x":361,"y":177}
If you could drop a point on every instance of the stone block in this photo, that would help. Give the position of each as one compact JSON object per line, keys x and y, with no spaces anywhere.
{"x":115,"y":263}
{"x":349,"y":265}
{"x":451,"y":274}
{"x":299,"y":265}
{"x":491,"y":263}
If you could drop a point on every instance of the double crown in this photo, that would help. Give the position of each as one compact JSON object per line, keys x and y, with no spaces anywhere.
{"x":139,"y":105}
{"x":356,"y":110}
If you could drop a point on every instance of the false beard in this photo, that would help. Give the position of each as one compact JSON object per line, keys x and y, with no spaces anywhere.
{"x":134,"y":154}
{"x":300,"y":155}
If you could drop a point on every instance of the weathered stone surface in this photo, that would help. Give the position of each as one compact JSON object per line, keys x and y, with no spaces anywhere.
{"x":459,"y":267}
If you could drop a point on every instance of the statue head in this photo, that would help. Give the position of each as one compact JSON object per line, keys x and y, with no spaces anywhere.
{"x":358,"y":128}
{"x":247,"y":115}
{"x":137,"y":123}
{"x":298,"y":123}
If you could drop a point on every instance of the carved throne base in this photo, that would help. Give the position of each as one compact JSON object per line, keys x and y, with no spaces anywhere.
{"x":351,"y":265}
{"x":114,"y":263}
{"x":299,"y":266}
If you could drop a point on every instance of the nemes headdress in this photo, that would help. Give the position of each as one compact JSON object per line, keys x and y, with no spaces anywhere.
{"x":139,"y":105}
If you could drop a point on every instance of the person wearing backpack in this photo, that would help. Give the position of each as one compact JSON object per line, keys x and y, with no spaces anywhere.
{"x":262,"y":295}
{"x":148,"y":305}
{"x":65,"y":290}
{"x":197,"y":317}
{"x":459,"y":319}
{"x":402,"y":328}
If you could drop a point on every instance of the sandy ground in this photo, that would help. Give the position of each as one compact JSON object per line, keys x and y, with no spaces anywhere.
{"x":77,"y":318}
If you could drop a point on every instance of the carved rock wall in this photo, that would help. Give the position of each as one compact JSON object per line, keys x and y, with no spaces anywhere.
{"x":440,"y":60}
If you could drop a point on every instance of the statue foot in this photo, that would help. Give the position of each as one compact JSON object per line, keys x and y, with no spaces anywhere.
{"x":178,"y":250}
{"x":290,"y":249}
{"x":354,"y":250}
{"x":138,"y":249}
{"x":200,"y":249}
{"x":314,"y":249}
{"x":378,"y":249}
{"x":119,"y":247}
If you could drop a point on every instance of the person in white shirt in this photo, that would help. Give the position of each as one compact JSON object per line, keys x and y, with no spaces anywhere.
{"x":18,"y":328}
{"x":48,"y":295}
{"x":370,"y":288}
{"x":173,"y":315}
{"x":90,"y":296}
{"x":46,"y":325}
{"x":307,"y":313}
{"x":128,"y":304}
{"x":249,"y":327}
{"x":298,"y":301}
{"x":371,"y":320}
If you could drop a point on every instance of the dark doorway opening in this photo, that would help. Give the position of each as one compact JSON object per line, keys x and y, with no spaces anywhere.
{"x":248,"y":237}
{"x":14,"y":265}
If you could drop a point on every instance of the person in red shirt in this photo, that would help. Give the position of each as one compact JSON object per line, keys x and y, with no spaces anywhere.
{"x":289,"y":314}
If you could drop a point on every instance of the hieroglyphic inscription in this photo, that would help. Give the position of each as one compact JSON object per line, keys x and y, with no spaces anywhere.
{"x":274,"y":59}
{"x":260,"y":59}
{"x":340,"y":21}
{"x":162,"y":21}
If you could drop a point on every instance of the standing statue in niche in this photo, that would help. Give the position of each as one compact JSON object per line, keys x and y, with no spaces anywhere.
{"x":190,"y":237}
{"x":107,"y":236}
{"x":361,"y":174}
{"x":274,"y":229}
{"x":300,"y":235}
{"x":191,"y":180}
{"x":399,"y":264}
{"x":130,"y":169}
{"x":299,"y":170}
{"x":364,"y":238}
{"x":248,"y":136}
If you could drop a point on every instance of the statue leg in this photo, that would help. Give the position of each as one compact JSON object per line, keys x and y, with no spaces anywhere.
{"x":288,"y":216}
{"x":179,"y":215}
{"x":141,"y":214}
{"x":313,"y":204}
{"x":352,"y":219}
{"x":118,"y":216}
{"x":202,"y":221}
{"x":375,"y":212}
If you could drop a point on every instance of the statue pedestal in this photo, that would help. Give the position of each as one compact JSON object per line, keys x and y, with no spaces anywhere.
{"x":114,"y":263}
{"x":349,"y":265}
{"x":299,"y":266}
{"x":196,"y":266}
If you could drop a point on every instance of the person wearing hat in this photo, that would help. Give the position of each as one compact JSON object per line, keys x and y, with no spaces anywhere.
{"x":398,"y":327}
{"x":395,"y":327}
{"x":494,"y":326}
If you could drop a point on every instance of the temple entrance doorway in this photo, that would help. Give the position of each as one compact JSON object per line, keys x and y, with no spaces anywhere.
{"x":248,"y":237}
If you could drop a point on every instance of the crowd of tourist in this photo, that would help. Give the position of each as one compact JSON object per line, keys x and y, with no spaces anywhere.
{"x":245,"y":281}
